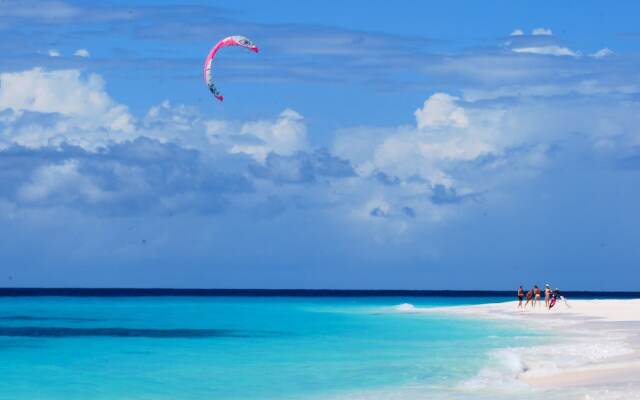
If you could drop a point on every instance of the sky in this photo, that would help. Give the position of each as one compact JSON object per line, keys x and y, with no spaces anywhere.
{"x":368,"y":145}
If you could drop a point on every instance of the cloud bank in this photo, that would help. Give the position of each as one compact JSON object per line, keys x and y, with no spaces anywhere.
{"x":436,"y":160}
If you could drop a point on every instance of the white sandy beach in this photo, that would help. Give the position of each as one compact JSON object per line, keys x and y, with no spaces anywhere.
{"x":597,"y":354}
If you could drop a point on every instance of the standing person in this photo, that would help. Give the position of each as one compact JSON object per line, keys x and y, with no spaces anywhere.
{"x":520,"y":296}
{"x":536,"y":292}
{"x":547,"y":295}
{"x":529,"y":296}
{"x":554,"y":298}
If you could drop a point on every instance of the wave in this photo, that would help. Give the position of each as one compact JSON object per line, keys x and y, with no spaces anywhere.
{"x":508,"y":369}
{"x":405,"y":307}
{"x":501,"y":374}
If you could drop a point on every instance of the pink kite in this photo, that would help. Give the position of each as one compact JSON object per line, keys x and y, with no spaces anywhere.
{"x":228,"y":41}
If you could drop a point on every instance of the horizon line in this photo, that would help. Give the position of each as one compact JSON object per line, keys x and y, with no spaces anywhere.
{"x":238,"y":292}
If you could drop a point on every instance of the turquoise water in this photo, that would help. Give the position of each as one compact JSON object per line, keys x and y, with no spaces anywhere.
{"x":236,"y":347}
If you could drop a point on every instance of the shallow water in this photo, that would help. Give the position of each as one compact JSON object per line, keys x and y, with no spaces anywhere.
{"x":243,"y":347}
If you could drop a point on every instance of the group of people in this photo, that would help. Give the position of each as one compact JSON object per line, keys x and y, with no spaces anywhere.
{"x":533,"y":296}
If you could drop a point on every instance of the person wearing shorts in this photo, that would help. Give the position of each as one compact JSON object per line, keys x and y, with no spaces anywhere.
{"x":529,"y":297}
{"x":547,"y":295}
{"x":536,"y":293}
{"x":520,"y":296}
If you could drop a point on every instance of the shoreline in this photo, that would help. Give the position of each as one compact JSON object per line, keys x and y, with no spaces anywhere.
{"x":595,"y":352}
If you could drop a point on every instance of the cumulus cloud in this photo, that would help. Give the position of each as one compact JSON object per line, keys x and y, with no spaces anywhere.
{"x":286,"y":135}
{"x":65,"y":91}
{"x":448,"y":165}
{"x":66,"y":137}
{"x":302,"y":167}
{"x":60,"y":180}
{"x":41,"y":107}
{"x":82,"y":108}
{"x":53,"y":53}
{"x":440,"y":110}
{"x":174,"y":160}
{"x":517,"y":32}
{"x":518,"y":120}
{"x":83,"y":53}
{"x":139,"y":176}
{"x":541,"y":32}
{"x":418,"y":167}
{"x":181,"y":124}
{"x":444,"y":132}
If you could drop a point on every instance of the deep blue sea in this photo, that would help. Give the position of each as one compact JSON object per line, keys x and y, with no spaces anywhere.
{"x":235,"y":347}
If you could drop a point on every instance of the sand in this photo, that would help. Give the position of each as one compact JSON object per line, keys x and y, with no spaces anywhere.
{"x":573,"y":311}
{"x":596,"y":354}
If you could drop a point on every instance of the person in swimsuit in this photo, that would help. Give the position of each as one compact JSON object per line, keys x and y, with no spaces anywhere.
{"x":520,"y":296}
{"x":547,"y":295}
{"x":529,"y":297}
{"x":536,"y":292}
{"x":554,"y":298}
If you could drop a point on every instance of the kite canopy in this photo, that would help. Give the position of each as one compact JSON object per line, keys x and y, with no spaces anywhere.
{"x":208,"y":63}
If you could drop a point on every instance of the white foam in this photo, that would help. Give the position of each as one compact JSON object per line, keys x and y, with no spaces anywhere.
{"x":406,"y":308}
{"x":500,"y":379}
{"x":574,"y":352}
{"x":501,"y":375}
{"x":507,"y":367}
{"x":530,"y":371}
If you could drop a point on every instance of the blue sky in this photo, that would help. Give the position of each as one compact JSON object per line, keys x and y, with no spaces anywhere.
{"x":409,"y":145}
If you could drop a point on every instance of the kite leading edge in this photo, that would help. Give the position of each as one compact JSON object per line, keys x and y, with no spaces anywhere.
{"x":208,"y":63}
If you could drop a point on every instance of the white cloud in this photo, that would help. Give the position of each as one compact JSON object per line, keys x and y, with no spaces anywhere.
{"x":216,"y":127}
{"x":53,"y":53}
{"x":185,"y":126}
{"x":517,"y":32}
{"x":66,"y":92}
{"x":84,"y":53}
{"x":541,"y":32}
{"x":440,"y":110}
{"x":181,"y":124}
{"x":62,"y":181}
{"x":551,"y":50}
{"x":445,"y":132}
{"x":497,"y":146}
{"x":602,"y":53}
{"x":166,"y":121}
{"x":286,"y":135}
{"x":68,"y":106}
{"x":85,"y":112}
{"x":449,"y":138}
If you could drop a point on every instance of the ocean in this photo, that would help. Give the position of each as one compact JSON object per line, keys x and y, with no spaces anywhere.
{"x":239,"y":346}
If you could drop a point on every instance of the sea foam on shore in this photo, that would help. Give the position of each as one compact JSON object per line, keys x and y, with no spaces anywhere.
{"x":593,"y":352}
